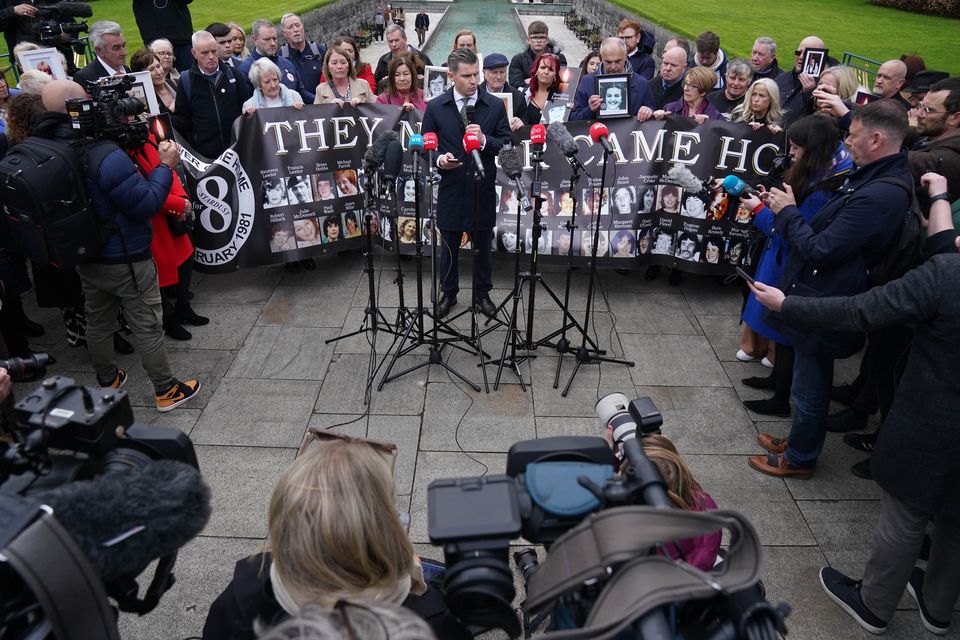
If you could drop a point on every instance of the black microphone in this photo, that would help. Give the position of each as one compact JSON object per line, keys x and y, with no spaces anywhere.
{"x":393,"y":163}
{"x":510,"y":163}
{"x":470,"y":111}
{"x":124,"y":520}
{"x":373,"y":158}
{"x":565,"y":142}
{"x":72,"y":9}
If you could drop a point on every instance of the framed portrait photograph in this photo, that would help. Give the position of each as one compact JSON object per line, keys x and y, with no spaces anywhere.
{"x":143,"y":90}
{"x":864,"y":97}
{"x":614,"y":89}
{"x":556,"y":110}
{"x":46,"y":60}
{"x":814,"y":61}
{"x":435,"y":82}
{"x":507,"y":99}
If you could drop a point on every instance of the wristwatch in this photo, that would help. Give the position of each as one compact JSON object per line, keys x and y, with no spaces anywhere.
{"x":940,"y":196}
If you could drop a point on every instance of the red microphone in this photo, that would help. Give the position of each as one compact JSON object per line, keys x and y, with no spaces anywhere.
{"x":538,"y":134}
{"x":471,"y":144}
{"x":600,"y":135}
{"x":430,"y":141}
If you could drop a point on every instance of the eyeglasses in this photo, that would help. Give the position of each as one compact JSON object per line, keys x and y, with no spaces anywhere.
{"x":799,"y":52}
{"x":925,"y":110}
{"x":538,"y":38}
{"x":165,"y":54}
{"x":387,"y":449}
{"x":624,"y":36}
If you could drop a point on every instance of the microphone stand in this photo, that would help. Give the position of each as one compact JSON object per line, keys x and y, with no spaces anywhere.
{"x":373,"y":318}
{"x":416,"y":319}
{"x":584,"y":355}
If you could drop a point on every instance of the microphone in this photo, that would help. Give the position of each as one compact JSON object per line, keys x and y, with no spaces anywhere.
{"x":392,"y":163}
{"x":470,"y":111}
{"x":471,"y":144}
{"x":567,"y":145}
{"x":124,"y":520}
{"x":510,"y":163}
{"x":72,"y":9}
{"x":538,"y":136}
{"x":430,"y":144}
{"x":737,"y":187}
{"x":600,"y":135}
{"x":373,"y":158}
{"x":415,"y":144}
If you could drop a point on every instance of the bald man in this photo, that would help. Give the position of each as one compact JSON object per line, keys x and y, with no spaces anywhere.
{"x":891,"y":77}
{"x":123,"y":272}
{"x":796,"y":86}
{"x":55,"y":94}
{"x":613,"y":59}
{"x":667,"y":86}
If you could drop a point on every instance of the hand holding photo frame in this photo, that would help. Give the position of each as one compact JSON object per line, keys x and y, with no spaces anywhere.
{"x":614,"y":89}
{"x":435,"y":82}
{"x":814,"y":61}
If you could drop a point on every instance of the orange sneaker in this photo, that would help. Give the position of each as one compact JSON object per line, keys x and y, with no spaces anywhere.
{"x":179,"y":393}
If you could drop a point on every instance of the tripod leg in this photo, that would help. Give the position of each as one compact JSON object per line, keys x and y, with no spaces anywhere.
{"x":396,"y":353}
{"x":566,"y":389}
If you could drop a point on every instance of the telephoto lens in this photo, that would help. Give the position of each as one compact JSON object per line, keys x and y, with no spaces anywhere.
{"x":21,"y":367}
{"x":613,"y":411}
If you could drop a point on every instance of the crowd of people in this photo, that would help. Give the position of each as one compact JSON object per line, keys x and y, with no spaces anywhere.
{"x":826,"y":282}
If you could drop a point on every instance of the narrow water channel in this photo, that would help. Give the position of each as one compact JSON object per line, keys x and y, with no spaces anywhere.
{"x":491,"y":20}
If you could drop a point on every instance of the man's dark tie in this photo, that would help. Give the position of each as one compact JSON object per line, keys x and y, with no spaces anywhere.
{"x":463,"y":113}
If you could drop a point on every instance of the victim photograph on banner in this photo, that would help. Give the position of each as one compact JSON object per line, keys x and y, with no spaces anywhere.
{"x":293,"y":186}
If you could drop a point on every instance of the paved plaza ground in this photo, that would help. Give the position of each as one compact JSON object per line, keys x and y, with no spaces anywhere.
{"x":268,"y":375}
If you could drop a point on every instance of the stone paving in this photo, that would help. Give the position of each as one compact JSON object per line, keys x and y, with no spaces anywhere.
{"x":268,"y":375}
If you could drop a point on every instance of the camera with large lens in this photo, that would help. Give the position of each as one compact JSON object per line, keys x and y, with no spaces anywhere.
{"x":110,"y":113}
{"x":55,"y":24}
{"x":605,"y":526}
{"x":88,"y":499}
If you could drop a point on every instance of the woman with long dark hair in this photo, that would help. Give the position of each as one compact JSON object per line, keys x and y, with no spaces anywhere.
{"x":820,"y":164}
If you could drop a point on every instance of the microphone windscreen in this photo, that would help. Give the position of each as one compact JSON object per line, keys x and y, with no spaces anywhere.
{"x":393,"y":159}
{"x":169,"y":499}
{"x":471,"y":142}
{"x":430,"y":141}
{"x":373,"y":158}
{"x":561,"y":137}
{"x":685,"y":178}
{"x":598,"y":130}
{"x":538,"y":134}
{"x":734,"y":185}
{"x":510,"y":163}
{"x":415,"y":143}
{"x":74,"y":9}
{"x":470,"y":111}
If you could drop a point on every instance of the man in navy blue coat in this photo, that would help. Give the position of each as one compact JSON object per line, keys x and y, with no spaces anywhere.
{"x":265,"y":45}
{"x":831,"y":255}
{"x":613,"y":53}
{"x":447,"y":116}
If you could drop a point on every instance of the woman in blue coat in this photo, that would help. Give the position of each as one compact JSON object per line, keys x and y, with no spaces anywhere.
{"x":819,"y":165}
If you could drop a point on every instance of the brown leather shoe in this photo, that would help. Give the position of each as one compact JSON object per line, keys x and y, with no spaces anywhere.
{"x":777,"y":466}
{"x":772,"y":443}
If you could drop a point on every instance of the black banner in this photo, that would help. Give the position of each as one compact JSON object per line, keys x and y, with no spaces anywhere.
{"x":291,"y":187}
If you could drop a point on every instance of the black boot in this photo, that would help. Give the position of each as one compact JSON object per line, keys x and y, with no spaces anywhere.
{"x":185,"y":314}
{"x":173,"y":328}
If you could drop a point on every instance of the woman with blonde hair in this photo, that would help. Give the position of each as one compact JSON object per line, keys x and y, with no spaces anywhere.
{"x":335,"y":540}
{"x":761,"y":107}
{"x":842,"y":79}
{"x":238,"y":41}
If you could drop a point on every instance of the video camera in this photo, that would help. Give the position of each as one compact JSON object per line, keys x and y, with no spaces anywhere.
{"x":54,"y":24}
{"x":88,"y":499}
{"x":107,"y":114}
{"x":602,"y":574}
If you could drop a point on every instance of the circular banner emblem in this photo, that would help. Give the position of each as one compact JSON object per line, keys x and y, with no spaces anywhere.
{"x":225,"y":207}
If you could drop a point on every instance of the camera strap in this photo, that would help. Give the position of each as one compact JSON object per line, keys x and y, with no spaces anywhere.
{"x":63,"y":581}
{"x":618,"y":541}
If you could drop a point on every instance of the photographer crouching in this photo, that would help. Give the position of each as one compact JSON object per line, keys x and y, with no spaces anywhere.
{"x":123,"y":272}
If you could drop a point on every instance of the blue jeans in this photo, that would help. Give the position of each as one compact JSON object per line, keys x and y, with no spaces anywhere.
{"x":812,"y":379}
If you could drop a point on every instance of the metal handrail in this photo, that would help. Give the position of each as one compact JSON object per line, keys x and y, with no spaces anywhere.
{"x":865,"y":68}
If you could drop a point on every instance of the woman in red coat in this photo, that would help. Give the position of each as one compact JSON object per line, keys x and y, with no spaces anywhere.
{"x":171,"y":248}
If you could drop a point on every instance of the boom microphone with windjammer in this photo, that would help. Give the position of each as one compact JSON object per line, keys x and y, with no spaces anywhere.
{"x":373,"y":158}
{"x":510,"y":163}
{"x":566,"y":144}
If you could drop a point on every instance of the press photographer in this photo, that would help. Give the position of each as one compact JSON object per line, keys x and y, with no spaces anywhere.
{"x":49,"y":25}
{"x":123,"y":271}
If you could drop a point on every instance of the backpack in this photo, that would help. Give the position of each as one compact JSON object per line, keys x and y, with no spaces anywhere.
{"x":43,"y":193}
{"x":904,"y":253}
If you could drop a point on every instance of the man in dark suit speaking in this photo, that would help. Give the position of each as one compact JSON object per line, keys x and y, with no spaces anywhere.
{"x":459,"y":110}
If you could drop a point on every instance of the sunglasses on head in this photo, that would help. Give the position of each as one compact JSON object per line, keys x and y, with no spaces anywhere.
{"x":320,"y":436}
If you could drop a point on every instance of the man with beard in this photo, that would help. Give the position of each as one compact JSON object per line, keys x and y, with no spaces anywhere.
{"x":938,"y":121}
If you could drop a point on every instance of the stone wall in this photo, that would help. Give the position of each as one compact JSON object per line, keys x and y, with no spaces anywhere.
{"x":338,"y":18}
{"x":607,"y":16}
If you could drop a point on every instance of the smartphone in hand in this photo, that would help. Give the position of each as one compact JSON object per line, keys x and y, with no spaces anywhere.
{"x":743,"y":274}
